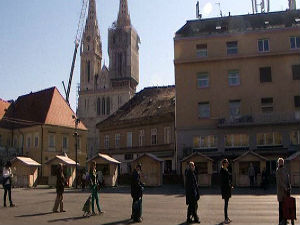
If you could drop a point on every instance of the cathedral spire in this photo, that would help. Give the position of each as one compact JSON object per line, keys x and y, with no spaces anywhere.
{"x":123,"y":17}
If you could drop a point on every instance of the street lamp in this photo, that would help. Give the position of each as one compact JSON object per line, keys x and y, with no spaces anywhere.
{"x":77,"y":121}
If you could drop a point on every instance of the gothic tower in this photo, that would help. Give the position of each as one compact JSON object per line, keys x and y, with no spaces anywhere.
{"x":123,"y":50}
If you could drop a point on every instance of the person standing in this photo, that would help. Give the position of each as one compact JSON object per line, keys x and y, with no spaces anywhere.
{"x":283,"y":187}
{"x":251,"y":174}
{"x":192,"y":194}
{"x":226,"y":186}
{"x":137,"y":188}
{"x":7,"y":182}
{"x":60,"y":187}
{"x":94,"y":188}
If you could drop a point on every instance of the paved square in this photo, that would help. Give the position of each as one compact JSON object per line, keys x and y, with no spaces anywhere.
{"x":164,"y":205}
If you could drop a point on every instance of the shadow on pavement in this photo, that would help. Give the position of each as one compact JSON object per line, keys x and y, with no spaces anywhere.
{"x":121,"y":222}
{"x":68,"y":219}
{"x":36,"y":214}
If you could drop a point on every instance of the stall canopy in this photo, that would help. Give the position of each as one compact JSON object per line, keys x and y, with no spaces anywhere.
{"x":26,"y":161}
{"x":105,"y":158}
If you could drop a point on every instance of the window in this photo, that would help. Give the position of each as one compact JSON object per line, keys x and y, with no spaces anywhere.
{"x":296,"y":72}
{"x":89,"y":70}
{"x":153,"y":136}
{"x":201,"y":50}
{"x":106,"y":141}
{"x":263,"y":45}
{"x":234,"y":108}
{"x":103,"y":106}
{"x":268,"y":139}
{"x":36,"y":140}
{"x":141,"y":137}
{"x":297,"y":101}
{"x":107,"y":106}
{"x":98,"y":106}
{"x":203,"y":110}
{"x":236,"y":140}
{"x":265,"y":74}
{"x":51,"y":142}
{"x":295,"y":137}
{"x":232,"y":47}
{"x":129,"y":139}
{"x":117,"y":140}
{"x":267,"y":105}
{"x":65,"y":142}
{"x":15,"y":141}
{"x":28,"y":141}
{"x":294,"y":42}
{"x":128,"y":156}
{"x":233,"y":77}
{"x":167,"y":135}
{"x":204,"y":142}
{"x":202,"y":80}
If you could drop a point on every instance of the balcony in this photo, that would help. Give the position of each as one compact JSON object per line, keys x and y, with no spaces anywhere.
{"x":260,"y":119}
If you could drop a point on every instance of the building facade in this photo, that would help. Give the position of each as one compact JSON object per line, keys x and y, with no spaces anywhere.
{"x":104,"y":89}
{"x":237,"y":86}
{"x":145,"y":124}
{"x":40,"y":125}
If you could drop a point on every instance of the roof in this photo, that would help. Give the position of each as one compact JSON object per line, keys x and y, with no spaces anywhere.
{"x":3,"y":106}
{"x":43,"y":107}
{"x":195,"y":154}
{"x":148,"y":155}
{"x":151,"y":102}
{"x":26,"y":161}
{"x":64,"y":159}
{"x":252,"y":153}
{"x":293,"y":156}
{"x":240,"y":23}
{"x":105,"y":157}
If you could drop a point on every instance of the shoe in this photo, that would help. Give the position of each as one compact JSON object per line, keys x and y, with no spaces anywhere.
{"x":93,"y":214}
{"x":12,"y":205}
{"x":197,"y":221}
{"x":189,"y":221}
{"x":226,"y":221}
{"x":101,"y":212}
{"x":229,"y":220}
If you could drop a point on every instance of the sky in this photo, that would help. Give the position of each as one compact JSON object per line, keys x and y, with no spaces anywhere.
{"x":37,"y":38}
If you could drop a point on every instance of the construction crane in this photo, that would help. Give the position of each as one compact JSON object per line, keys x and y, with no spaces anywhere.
{"x":78,"y":37}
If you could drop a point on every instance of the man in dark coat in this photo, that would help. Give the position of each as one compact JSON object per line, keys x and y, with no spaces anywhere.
{"x":60,"y":187}
{"x":137,"y":188}
{"x":192,"y":194}
{"x":226,"y":186}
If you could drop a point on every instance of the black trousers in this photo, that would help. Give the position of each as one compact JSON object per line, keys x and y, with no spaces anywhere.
{"x":192,"y":211}
{"x":7,"y":188}
{"x":281,"y":212}
{"x":226,"y":200}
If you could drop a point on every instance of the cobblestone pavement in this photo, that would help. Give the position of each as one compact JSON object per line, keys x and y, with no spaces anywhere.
{"x":164,"y":205}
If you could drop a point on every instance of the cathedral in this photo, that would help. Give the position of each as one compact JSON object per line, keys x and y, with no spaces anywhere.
{"x":103,"y":90}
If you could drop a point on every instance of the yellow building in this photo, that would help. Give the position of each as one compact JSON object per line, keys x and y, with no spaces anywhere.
{"x":237,"y":86}
{"x":41,"y":125}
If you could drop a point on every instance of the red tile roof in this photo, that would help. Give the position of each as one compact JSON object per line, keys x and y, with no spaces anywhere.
{"x":43,"y":107}
{"x":3,"y":106}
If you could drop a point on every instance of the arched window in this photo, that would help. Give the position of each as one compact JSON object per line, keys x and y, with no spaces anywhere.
{"x":98,"y":106}
{"x":103,"y":106}
{"x":88,"y":70}
{"x":107,"y":106}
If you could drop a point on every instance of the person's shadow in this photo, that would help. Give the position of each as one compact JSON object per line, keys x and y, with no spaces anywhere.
{"x":121,"y":222}
{"x":36,"y":214}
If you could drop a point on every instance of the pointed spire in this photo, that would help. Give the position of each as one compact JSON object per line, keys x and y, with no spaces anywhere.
{"x":123,"y":17}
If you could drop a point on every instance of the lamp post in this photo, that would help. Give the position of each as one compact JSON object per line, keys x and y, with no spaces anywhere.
{"x":77,"y":121}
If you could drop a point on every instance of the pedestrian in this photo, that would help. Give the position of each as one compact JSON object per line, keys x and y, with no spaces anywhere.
{"x":226,"y":186}
{"x":60,"y":187}
{"x":7,"y":183}
{"x":192,"y":194}
{"x":83,"y":180}
{"x":251,"y":174}
{"x":283,"y":187}
{"x":94,"y":188}
{"x":137,"y":188}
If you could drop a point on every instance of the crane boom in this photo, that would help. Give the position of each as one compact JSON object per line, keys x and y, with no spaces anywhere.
{"x":78,"y":36}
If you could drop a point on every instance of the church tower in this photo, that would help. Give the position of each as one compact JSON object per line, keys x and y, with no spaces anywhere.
{"x":123,"y":50}
{"x":91,"y":51}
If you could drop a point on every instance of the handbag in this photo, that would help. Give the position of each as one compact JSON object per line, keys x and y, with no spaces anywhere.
{"x":289,"y":208}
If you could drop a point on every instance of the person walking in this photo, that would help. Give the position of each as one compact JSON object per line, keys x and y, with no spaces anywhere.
{"x":60,"y":187}
{"x":137,"y":188}
{"x":7,"y":183}
{"x":283,"y":187}
{"x":251,"y":174}
{"x":94,"y":188}
{"x":226,"y":186}
{"x":192,"y":194}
